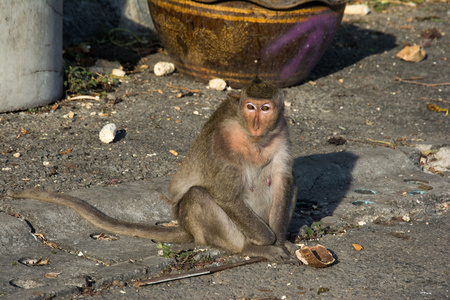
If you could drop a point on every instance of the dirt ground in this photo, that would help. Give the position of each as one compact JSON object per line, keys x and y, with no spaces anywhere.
{"x":359,"y":91}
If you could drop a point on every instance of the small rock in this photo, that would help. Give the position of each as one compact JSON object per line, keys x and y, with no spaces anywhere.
{"x":412,"y":54}
{"x":118,"y":72}
{"x":163,"y":68}
{"x":357,"y":10}
{"x":108,"y":133}
{"x":217,"y":84}
{"x":16,"y":155}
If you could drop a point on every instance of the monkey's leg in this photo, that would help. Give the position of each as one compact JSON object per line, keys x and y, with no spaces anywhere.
{"x":208,"y":223}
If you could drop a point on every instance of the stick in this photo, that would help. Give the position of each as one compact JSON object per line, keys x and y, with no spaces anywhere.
{"x":184,"y":89}
{"x":420,"y":83}
{"x":435,"y":100}
{"x":82,"y":97}
{"x":373,"y":143}
{"x":194,"y":273}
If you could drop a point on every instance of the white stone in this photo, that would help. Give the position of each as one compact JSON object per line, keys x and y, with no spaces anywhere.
{"x":118,"y":72}
{"x":108,"y":133}
{"x":163,"y":68}
{"x":217,"y":84}
{"x":357,"y":10}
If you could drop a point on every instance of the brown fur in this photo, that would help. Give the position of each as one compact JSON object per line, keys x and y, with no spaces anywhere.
{"x":233,"y":190}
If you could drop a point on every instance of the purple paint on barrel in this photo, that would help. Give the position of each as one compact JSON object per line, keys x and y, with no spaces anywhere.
{"x":315,"y":33}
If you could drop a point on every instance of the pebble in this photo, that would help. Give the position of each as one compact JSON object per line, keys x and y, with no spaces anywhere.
{"x":16,"y":155}
{"x":118,"y":72}
{"x":108,"y":133}
{"x":217,"y":84}
{"x":412,"y":54}
{"x":163,"y":68}
{"x":357,"y":10}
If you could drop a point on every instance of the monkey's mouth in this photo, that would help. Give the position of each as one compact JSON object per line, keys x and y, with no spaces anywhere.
{"x":255,"y":137}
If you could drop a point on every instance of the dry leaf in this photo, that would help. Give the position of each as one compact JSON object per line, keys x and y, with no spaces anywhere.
{"x":436,"y":108}
{"x":22,"y":132}
{"x":425,"y":187}
{"x":316,"y":256}
{"x":67,"y":151}
{"x":357,"y":247}
{"x":174,"y":152}
{"x":412,"y":53}
{"x":52,"y":274}
{"x":34,"y":261}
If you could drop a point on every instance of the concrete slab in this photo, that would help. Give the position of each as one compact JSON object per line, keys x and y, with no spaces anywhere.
{"x":340,"y":184}
{"x":327,"y":191}
{"x":134,"y":202}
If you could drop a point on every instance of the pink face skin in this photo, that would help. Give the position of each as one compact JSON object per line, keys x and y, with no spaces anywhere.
{"x":260,"y":116}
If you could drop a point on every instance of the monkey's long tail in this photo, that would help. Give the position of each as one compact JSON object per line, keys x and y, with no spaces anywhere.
{"x":174,"y":234}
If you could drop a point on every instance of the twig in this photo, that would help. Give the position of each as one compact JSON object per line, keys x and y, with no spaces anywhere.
{"x":194,"y":273}
{"x":82,"y":98}
{"x":373,"y":143}
{"x":184,"y":89}
{"x":420,"y":83}
{"x":435,"y":100}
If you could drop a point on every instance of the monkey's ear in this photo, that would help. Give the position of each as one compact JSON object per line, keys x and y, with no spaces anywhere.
{"x":234,"y":96}
{"x":281,"y":95}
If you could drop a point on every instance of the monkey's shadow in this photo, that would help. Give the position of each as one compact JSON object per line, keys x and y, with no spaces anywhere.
{"x":322,"y":180}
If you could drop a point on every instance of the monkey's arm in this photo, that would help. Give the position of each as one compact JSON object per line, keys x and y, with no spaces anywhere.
{"x":253,"y":227}
{"x":284,"y":197}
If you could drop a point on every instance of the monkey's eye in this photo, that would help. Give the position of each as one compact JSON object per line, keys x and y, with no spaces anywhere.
{"x":250,"y":106}
{"x":265,"y":107}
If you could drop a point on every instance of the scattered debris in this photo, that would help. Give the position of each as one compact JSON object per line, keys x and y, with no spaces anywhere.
{"x":365,"y":191}
{"x":22,"y":132}
{"x":163,"y":68}
{"x":362,"y":202}
{"x":431,"y":34}
{"x":426,"y":18}
{"x":104,"y":237}
{"x":52,"y":274}
{"x":66,"y":151}
{"x":217,"y":84}
{"x":436,"y":108}
{"x":357,"y":247}
{"x":337,"y":141}
{"x":317,"y":256}
{"x":108,"y":133}
{"x":194,"y":273}
{"x":32,"y":262}
{"x":412,"y":54}
{"x":436,"y":162}
{"x":424,"y":84}
{"x":357,"y":10}
{"x":184,"y":89}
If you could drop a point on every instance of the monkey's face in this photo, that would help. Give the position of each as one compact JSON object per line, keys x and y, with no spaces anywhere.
{"x":260,"y":116}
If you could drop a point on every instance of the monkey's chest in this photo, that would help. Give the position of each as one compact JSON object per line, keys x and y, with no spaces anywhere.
{"x":258,"y":192}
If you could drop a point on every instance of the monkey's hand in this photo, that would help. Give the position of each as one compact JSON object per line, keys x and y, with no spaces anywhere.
{"x":291,"y":247}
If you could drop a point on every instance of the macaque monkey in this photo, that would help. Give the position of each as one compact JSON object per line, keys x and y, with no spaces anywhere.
{"x":234,"y":190}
